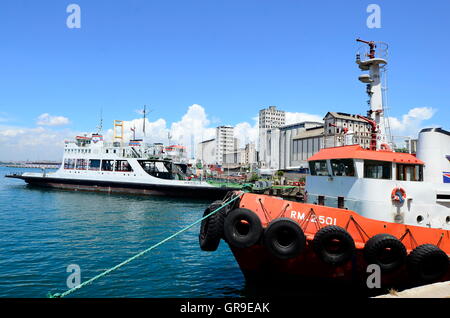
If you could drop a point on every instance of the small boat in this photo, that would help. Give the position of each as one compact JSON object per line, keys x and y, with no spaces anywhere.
{"x":367,"y":211}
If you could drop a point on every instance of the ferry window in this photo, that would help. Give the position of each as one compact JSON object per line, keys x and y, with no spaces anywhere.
{"x":123,"y":165}
{"x":377,"y":169}
{"x":107,"y":165}
{"x":407,"y":172}
{"x":69,"y":163}
{"x":321,"y":200}
{"x":343,"y":167}
{"x":340,"y":203}
{"x":94,"y":164}
{"x":318,"y":168}
{"x":81,"y":164}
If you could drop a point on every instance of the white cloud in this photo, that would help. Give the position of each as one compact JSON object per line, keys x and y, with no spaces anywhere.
{"x":155,"y":131}
{"x":292,"y":118}
{"x":39,"y":143}
{"x":410,"y":124}
{"x":48,"y":120}
{"x":193,"y":126}
{"x":46,"y":142}
{"x":246,"y":133}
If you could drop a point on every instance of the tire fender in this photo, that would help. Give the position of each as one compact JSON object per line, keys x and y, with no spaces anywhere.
{"x":242,"y":228}
{"x":284,"y":238}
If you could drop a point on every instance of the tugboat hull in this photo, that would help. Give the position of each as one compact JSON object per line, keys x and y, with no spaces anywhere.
{"x":405,"y":256}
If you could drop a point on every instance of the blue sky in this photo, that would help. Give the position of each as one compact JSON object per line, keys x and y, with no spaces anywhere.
{"x":231,"y":57}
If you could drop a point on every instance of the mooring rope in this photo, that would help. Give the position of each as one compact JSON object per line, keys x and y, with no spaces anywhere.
{"x":70,"y":291}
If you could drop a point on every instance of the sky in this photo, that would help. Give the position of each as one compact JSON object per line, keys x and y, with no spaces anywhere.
{"x":197,"y":64}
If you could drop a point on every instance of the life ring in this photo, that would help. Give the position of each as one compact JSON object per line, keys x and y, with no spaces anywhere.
{"x":386,"y":251}
{"x":334,"y":245}
{"x":242,"y":228}
{"x":211,"y":228}
{"x":284,"y":238}
{"x":398,"y":194}
{"x":428,"y":263}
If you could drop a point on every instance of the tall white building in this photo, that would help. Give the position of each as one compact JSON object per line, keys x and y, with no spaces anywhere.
{"x":225,"y":142}
{"x":269,"y":118}
{"x":212,"y":151}
{"x":282,"y":145}
{"x":206,"y":152}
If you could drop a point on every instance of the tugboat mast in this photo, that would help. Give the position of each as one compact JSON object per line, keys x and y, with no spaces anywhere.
{"x":373,"y":64}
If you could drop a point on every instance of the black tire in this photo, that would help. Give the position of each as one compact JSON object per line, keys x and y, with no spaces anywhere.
{"x":386,"y":251}
{"x":242,"y":228}
{"x":334,"y":245}
{"x":428,"y":263}
{"x":211,"y":228}
{"x":284,"y":238}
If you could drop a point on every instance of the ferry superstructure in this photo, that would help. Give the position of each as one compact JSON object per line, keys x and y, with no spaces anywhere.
{"x":92,"y":164}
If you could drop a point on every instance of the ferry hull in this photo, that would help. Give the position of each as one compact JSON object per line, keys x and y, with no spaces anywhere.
{"x":126,"y":187}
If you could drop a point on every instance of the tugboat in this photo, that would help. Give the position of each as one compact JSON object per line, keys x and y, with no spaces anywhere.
{"x":92,"y":164}
{"x":364,"y":206}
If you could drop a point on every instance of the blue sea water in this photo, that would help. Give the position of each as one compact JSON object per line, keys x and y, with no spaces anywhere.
{"x":42,"y":231}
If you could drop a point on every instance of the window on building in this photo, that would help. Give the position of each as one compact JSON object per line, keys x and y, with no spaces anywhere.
{"x":318,"y":168}
{"x":294,"y":147}
{"x":343,"y":167}
{"x":408,"y":172}
{"x":377,"y":169}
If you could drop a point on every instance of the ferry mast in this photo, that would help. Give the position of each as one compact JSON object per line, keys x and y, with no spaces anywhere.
{"x":372,"y":62}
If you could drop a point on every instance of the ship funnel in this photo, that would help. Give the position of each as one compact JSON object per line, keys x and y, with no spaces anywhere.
{"x":433,"y":147}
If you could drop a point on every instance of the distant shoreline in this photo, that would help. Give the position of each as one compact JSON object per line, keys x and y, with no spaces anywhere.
{"x":41,"y":165}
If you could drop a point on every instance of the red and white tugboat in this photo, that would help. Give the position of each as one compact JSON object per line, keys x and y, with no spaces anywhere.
{"x":363,"y":207}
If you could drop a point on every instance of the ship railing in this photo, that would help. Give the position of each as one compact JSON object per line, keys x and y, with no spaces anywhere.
{"x":381,"y":51}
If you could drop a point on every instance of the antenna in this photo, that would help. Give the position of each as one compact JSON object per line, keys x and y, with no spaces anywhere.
{"x":145,"y":112}
{"x":134,"y":132}
{"x":143,"y":127}
{"x":100,"y":126}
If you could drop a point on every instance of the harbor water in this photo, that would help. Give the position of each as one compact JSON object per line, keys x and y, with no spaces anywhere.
{"x":43,"y":231}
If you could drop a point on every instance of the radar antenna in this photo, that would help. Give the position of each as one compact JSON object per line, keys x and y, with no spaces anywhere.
{"x":100,"y":126}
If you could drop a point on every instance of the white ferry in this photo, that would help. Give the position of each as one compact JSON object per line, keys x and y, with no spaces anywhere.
{"x":92,"y":164}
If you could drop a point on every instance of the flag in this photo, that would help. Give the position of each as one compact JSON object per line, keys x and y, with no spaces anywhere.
{"x":446,"y":177}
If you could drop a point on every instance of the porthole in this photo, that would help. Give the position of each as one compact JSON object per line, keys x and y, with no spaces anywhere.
{"x":447,"y":219}
{"x":419,"y":219}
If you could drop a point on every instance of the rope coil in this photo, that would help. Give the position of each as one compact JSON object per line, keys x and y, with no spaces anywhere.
{"x":70,"y":291}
